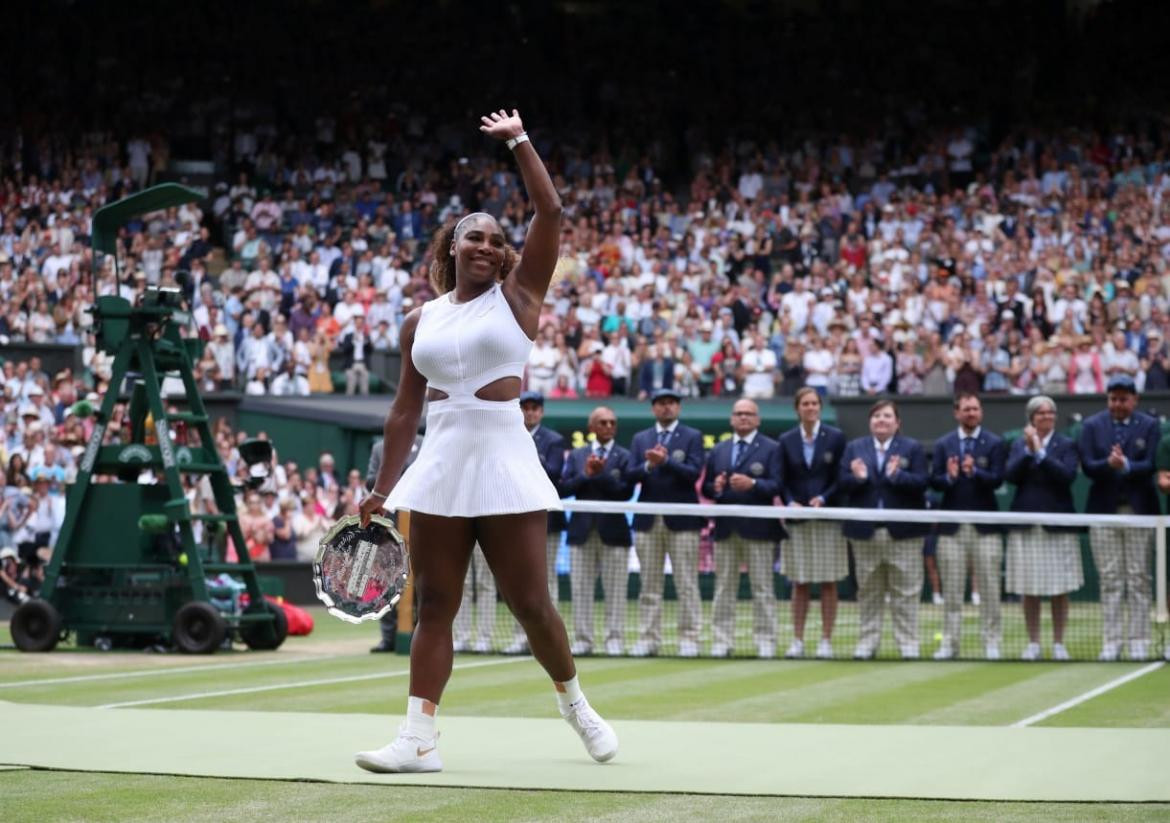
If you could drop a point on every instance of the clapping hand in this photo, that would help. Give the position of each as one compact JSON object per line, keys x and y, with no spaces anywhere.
{"x":593,"y":465}
{"x":501,"y":125}
{"x":1031,"y":439}
{"x":893,"y":463}
{"x":968,"y":466}
{"x":859,"y":469}
{"x":741,"y":482}
{"x":953,"y":467}
{"x":657,"y":455}
{"x":1116,"y":457}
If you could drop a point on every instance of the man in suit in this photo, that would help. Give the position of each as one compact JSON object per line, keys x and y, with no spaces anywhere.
{"x":744,"y":471}
{"x":815,"y":552}
{"x":885,"y":470}
{"x":599,"y":542}
{"x":1117,"y":453}
{"x":666,"y":459}
{"x":550,"y":446}
{"x":968,"y":467}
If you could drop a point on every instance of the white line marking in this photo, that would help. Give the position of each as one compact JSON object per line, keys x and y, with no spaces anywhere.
{"x":1089,"y":695}
{"x":81,"y":678}
{"x":298,"y":685}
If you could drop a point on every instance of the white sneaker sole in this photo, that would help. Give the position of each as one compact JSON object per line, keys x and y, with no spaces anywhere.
{"x":372,"y":762}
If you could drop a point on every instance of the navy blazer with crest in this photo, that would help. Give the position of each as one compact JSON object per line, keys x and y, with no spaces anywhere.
{"x":761,"y":462}
{"x":1044,"y":485}
{"x":550,"y":446}
{"x":610,"y":484}
{"x":906,"y":489}
{"x":673,"y":481}
{"x":1112,"y":488}
{"x":801,"y":483}
{"x":974,"y":493}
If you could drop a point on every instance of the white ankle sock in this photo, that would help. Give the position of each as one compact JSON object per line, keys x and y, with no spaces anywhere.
{"x":568,"y":693}
{"x":418,"y":722}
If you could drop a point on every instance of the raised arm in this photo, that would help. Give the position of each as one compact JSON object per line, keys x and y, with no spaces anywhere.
{"x":401,"y":425}
{"x":528,"y":282}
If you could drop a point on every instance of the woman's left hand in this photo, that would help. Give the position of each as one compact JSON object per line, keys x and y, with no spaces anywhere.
{"x":501,"y":125}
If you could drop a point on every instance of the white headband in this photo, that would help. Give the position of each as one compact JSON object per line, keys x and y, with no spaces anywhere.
{"x":468,"y":217}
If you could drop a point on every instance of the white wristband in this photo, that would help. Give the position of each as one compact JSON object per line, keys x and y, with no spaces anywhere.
{"x":513,"y":142}
{"x":378,"y":494}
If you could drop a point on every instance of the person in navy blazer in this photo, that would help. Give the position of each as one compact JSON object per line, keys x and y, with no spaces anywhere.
{"x":815,"y":552}
{"x":968,"y":467}
{"x":744,"y":470}
{"x":667,"y":459}
{"x":886,"y":470}
{"x":550,"y":447}
{"x":598,"y":542}
{"x":1117,"y":452}
{"x":1043,"y":562}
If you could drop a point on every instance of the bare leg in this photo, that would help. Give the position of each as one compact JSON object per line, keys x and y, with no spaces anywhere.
{"x":800,"y":597}
{"x":441,"y":550}
{"x":1059,"y":616}
{"x":828,"y":608}
{"x":514,"y":547}
{"x":1032,"y":617}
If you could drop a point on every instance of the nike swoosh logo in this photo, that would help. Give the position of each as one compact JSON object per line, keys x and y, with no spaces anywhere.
{"x":421,"y":752}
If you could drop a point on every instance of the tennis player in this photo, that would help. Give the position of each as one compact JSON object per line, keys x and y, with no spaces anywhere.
{"x":478,"y":475}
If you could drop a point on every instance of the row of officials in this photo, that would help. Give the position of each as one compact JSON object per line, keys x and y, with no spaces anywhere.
{"x":812,"y":465}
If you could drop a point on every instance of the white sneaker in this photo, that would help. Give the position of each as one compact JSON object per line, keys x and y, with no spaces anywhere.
{"x":937,"y":598}
{"x":796,"y":650}
{"x":945,"y":652}
{"x":863,"y":652}
{"x":688,"y":648}
{"x":1110,"y":652}
{"x":598,"y":736}
{"x":516,"y":647}
{"x":1059,"y":652}
{"x":407,"y":753}
{"x":613,"y":648}
{"x":1166,"y":654}
{"x":719,"y":650}
{"x":460,"y":646}
{"x":975,"y":599}
{"x":580,"y":649}
{"x":824,"y":650}
{"x":765,"y":650}
{"x":991,"y":651}
{"x":643,"y":649}
{"x":1139,"y":650}
{"x":909,"y":651}
{"x":482,"y":647}
{"x":1031,"y":652}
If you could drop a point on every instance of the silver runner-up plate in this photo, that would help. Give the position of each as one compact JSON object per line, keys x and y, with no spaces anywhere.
{"x":359,"y":573}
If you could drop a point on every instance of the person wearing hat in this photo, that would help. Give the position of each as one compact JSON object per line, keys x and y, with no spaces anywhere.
{"x":1117,"y":448}
{"x":599,"y":543}
{"x":666,"y":459}
{"x":550,"y":446}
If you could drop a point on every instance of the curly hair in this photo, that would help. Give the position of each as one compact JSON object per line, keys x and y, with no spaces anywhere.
{"x":442,"y":271}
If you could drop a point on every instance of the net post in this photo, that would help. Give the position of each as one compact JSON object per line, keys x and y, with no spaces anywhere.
{"x":1161,"y":616}
{"x":406,"y":603}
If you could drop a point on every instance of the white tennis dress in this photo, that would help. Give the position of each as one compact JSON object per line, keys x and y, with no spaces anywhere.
{"x":477,"y":458}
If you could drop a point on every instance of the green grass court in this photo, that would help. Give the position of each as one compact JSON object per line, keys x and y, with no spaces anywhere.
{"x":824,"y":740}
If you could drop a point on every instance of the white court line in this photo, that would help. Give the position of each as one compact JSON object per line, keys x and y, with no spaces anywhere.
{"x":1089,"y":695}
{"x":82,"y":678}
{"x":298,"y":685}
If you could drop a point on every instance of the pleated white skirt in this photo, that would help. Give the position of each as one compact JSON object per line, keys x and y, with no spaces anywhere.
{"x":476,"y":459}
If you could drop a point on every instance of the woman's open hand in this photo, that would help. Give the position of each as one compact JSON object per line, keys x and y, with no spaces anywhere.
{"x":501,"y":125}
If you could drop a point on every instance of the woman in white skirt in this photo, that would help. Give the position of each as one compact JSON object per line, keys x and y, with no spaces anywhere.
{"x":1043,"y":561}
{"x":810,"y":457}
{"x":477,"y":476}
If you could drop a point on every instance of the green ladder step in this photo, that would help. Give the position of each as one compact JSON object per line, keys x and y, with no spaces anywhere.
{"x":187,"y":417}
